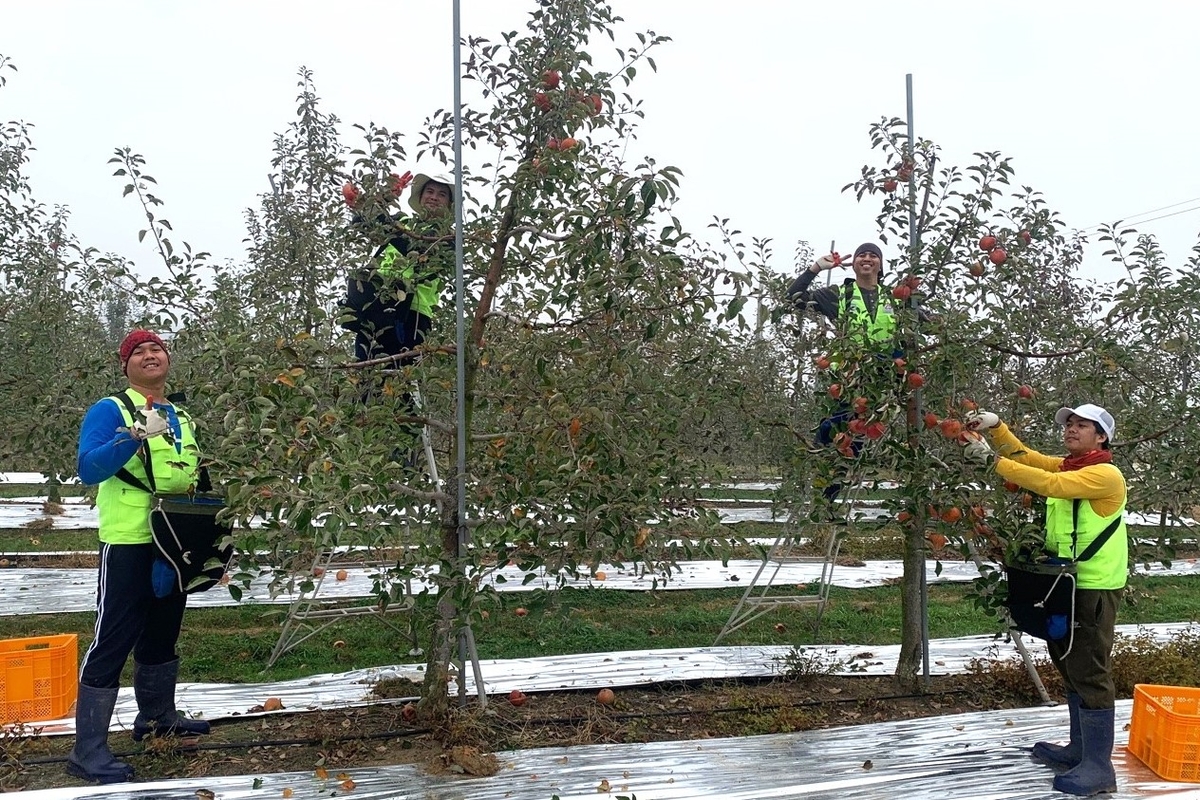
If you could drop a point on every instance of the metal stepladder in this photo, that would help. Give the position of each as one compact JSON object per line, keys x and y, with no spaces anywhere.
{"x":308,"y":616}
{"x":764,"y":595}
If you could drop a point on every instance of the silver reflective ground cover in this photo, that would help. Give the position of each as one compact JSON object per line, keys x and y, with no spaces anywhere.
{"x":54,"y":591}
{"x":584,"y":671}
{"x":980,"y":756}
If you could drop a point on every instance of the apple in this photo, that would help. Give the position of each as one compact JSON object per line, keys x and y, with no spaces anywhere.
{"x":903,"y":517}
{"x":987,"y":243}
{"x":931,"y":420}
{"x":875,"y":430}
{"x":951,"y":514}
{"x":835,"y":391}
{"x":998,"y":256}
{"x":517,"y":697}
{"x":889,"y":185}
{"x":1012,"y":487}
{"x":552,"y":143}
{"x":542,"y":101}
{"x":521,"y":612}
{"x":342,"y":575}
{"x":976,"y":269}
{"x":968,"y":404}
{"x":900,"y":364}
{"x":950,"y":428}
{"x":823,"y":363}
{"x":937,"y":540}
{"x":1026,"y":237}
{"x":597,"y":103}
{"x":857,"y":426}
{"x":912,"y":282}
{"x":318,"y":572}
{"x":902,"y":292}
{"x":861,"y":405}
{"x":1025,"y":392}
{"x":600,"y":575}
{"x":978,"y":512}
{"x":606,"y":697}
{"x":915,"y":380}
{"x":551,"y":78}
{"x":904,"y":171}
{"x":350,"y":193}
{"x":568,"y":144}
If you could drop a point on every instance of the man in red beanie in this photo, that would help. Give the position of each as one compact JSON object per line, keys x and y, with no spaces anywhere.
{"x":124,"y":440}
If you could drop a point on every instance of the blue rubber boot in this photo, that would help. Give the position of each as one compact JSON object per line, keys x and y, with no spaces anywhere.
{"x":154,"y":688}
{"x":1070,"y":754}
{"x":1095,"y":773}
{"x":91,"y":759}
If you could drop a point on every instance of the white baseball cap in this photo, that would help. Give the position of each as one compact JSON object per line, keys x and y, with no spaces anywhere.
{"x":1089,"y":411}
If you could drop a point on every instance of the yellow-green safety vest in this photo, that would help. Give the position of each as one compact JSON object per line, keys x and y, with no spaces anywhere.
{"x":397,"y":267}
{"x":1109,"y":567}
{"x":852,"y":314}
{"x":125,"y":510}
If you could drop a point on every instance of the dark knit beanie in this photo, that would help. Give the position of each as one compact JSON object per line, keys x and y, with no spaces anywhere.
{"x":871,"y":247}
{"x":133,"y":340}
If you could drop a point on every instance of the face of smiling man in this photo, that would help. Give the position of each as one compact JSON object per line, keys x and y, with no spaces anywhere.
{"x":148,"y":366}
{"x":1080,"y":436}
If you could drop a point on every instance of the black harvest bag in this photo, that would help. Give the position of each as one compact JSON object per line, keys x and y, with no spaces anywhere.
{"x":185,"y":530}
{"x":1041,"y":592}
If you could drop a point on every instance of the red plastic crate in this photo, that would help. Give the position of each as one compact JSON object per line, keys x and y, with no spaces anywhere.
{"x":38,"y":677}
{"x":1165,"y":733}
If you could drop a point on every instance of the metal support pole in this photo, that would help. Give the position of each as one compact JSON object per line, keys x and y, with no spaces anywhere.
{"x":914,"y":250}
{"x":466,"y":639}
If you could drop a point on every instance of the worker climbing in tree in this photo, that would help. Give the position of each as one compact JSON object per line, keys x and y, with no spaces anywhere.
{"x":391,"y":301}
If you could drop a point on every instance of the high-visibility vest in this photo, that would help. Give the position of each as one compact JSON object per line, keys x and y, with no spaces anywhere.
{"x":858,"y":323}
{"x":1109,"y":567}
{"x":125,"y":510}
{"x":397,"y":267}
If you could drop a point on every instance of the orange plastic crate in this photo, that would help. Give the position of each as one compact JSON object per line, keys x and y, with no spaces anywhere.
{"x":38,"y":677}
{"x":1165,"y":732}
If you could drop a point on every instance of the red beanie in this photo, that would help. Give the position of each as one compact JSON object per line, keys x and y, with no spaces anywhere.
{"x":135,"y":338}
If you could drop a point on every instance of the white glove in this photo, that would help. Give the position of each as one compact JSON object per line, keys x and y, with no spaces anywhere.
{"x":976,"y":449}
{"x":154,"y":424}
{"x":827,"y":262}
{"x":981,"y":421}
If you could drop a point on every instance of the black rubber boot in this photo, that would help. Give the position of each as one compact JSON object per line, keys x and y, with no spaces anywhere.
{"x":1095,"y":773}
{"x":154,"y":688}
{"x":91,"y":759}
{"x":1070,"y":754}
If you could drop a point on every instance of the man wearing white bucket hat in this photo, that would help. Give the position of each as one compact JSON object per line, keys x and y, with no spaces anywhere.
{"x":1085,"y":527}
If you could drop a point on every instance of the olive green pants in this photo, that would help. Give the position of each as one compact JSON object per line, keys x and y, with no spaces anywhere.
{"x":1087,"y":669}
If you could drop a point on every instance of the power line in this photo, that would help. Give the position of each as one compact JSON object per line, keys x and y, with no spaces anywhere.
{"x":1132,"y":219}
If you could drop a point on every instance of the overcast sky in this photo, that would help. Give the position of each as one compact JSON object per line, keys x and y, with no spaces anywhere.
{"x":764,"y":104}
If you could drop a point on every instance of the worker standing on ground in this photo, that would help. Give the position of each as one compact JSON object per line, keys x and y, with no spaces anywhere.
{"x":1085,"y":501}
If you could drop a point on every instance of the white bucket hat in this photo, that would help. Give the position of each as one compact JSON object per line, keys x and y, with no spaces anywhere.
{"x":418,"y":186}
{"x":1089,"y":411}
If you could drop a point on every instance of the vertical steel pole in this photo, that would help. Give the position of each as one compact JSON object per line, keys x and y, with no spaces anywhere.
{"x":913,"y":254}
{"x":466,"y":637}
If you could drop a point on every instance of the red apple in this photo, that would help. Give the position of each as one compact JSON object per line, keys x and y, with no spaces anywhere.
{"x":951,"y":515}
{"x":542,"y":101}
{"x":950,"y":428}
{"x":517,"y":697}
{"x":597,"y":103}
{"x":606,"y":697}
{"x":835,"y":391}
{"x":931,"y":420}
{"x":1012,"y":487}
{"x":350,"y":193}
{"x":823,"y":363}
{"x":987,"y":243}
{"x":552,"y":143}
{"x":875,"y":430}
{"x":902,"y":292}
{"x":998,"y":256}
{"x":968,"y":404}
{"x":568,"y":144}
{"x":976,"y":269}
{"x":889,"y":185}
{"x":550,"y":78}
{"x":1025,"y":392}
{"x":861,"y":405}
{"x":409,"y":712}
{"x":915,"y":380}
{"x":1026,"y":237}
{"x":520,"y":612}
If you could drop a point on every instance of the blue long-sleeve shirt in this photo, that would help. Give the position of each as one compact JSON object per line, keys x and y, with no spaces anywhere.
{"x":105,"y":444}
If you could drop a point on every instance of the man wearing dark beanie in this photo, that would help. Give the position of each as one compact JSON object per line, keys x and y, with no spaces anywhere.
{"x":856,"y":309}
{"x":124,"y":438}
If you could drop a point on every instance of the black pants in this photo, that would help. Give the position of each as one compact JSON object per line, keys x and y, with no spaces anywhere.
{"x":407,"y":333}
{"x":1087,"y":669}
{"x":129,"y":618}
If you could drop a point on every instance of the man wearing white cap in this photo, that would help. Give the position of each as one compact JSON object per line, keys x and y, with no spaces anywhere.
{"x":1087,"y":475}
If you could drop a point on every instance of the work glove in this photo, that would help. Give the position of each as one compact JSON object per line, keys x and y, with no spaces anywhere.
{"x":398,"y":183}
{"x":976,"y":449}
{"x":981,"y":421}
{"x":829,"y":262}
{"x":153,"y":423}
